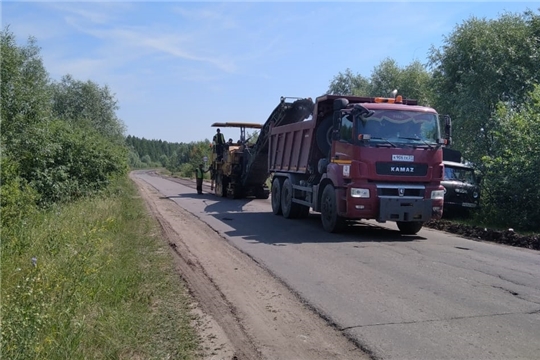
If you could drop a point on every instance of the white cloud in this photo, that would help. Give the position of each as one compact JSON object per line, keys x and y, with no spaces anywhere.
{"x":210,"y":16}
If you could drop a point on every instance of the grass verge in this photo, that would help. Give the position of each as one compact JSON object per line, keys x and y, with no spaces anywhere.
{"x":93,"y":279}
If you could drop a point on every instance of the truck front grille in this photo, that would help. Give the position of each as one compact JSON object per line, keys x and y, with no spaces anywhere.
{"x":416,"y":191}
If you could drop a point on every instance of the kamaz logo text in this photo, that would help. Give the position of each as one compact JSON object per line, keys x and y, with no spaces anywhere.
{"x":401,"y":169}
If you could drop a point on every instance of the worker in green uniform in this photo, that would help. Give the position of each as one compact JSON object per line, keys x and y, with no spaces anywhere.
{"x":199,"y":178}
{"x":219,"y":142}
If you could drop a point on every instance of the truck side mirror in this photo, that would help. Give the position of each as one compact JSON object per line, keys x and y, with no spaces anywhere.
{"x":340,"y":103}
{"x":448,"y":129}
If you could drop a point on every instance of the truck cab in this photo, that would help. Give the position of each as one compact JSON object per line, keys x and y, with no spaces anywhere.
{"x":461,"y":188}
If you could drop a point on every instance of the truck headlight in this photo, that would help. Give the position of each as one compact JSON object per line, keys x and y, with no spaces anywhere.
{"x":437,"y":194}
{"x":359,"y":193}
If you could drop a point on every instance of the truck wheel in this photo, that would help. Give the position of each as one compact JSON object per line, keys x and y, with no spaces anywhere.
{"x":289,"y":208}
{"x":324,"y":135}
{"x":331,"y":221}
{"x":276,"y":196}
{"x":410,"y":227}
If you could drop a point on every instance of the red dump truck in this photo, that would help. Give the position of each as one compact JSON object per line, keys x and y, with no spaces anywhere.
{"x":353,"y":158}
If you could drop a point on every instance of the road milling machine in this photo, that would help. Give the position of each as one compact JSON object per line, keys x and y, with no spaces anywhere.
{"x":228,"y":171}
{"x":242,"y":171}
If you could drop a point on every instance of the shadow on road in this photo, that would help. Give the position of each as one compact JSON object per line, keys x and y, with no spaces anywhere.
{"x":270,"y":229}
{"x":267,"y":228}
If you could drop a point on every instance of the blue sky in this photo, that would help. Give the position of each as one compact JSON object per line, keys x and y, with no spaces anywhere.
{"x":177,"y":67}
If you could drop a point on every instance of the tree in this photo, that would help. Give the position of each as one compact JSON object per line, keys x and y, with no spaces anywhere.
{"x":87,"y":102}
{"x":412,"y":82}
{"x":253,"y":137}
{"x":415,"y":83}
{"x":146,"y":159}
{"x":349,"y":84}
{"x":385,"y":78}
{"x":164,"y":160}
{"x":511,"y":171}
{"x":482,"y":63}
{"x":26,"y":98}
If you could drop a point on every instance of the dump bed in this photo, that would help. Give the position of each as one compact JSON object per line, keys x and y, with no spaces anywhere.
{"x":257,"y":170}
{"x":290,"y":147}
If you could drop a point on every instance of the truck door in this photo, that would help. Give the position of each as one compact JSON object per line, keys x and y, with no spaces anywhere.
{"x":343,"y":137}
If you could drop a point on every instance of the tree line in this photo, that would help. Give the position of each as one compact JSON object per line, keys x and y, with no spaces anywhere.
{"x":486,"y":76}
{"x":180,"y":158}
{"x":175,"y":157}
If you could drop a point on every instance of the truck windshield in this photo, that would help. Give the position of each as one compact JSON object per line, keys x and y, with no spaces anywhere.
{"x":459,"y":174}
{"x":399,"y":128}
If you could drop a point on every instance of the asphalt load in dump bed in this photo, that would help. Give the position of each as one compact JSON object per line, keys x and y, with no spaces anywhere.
{"x":507,"y":237}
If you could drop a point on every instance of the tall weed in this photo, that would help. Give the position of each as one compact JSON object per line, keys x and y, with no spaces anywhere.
{"x":92,"y":279}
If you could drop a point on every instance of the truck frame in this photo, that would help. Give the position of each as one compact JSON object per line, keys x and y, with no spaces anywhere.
{"x":333,"y":156}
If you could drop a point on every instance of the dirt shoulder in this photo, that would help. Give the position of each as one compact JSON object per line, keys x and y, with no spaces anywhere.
{"x":245,"y":313}
{"x":506,"y":237}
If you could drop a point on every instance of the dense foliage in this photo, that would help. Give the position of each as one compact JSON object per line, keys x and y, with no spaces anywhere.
{"x":512,"y":169}
{"x":486,"y":77}
{"x":484,"y":62}
{"x":87,"y":103}
{"x":412,"y":82}
{"x":59,"y":141}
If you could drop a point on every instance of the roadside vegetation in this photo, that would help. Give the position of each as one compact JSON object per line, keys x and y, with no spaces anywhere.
{"x":92,"y":279}
{"x":84,"y":273}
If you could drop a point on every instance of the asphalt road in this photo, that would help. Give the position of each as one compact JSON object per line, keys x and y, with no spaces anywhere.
{"x":428,"y":296}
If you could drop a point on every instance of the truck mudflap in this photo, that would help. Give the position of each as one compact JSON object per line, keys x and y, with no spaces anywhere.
{"x":400,"y":209}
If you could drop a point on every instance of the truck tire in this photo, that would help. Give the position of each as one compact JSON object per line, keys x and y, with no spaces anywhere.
{"x":410,"y":227}
{"x":289,"y":208}
{"x":331,"y":221}
{"x":276,"y":196}
{"x":324,"y":135}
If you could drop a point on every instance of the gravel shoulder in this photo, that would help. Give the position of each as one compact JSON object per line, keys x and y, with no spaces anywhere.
{"x":244,"y":312}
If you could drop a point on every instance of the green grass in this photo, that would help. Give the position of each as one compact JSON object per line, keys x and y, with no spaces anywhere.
{"x":104,"y":285}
